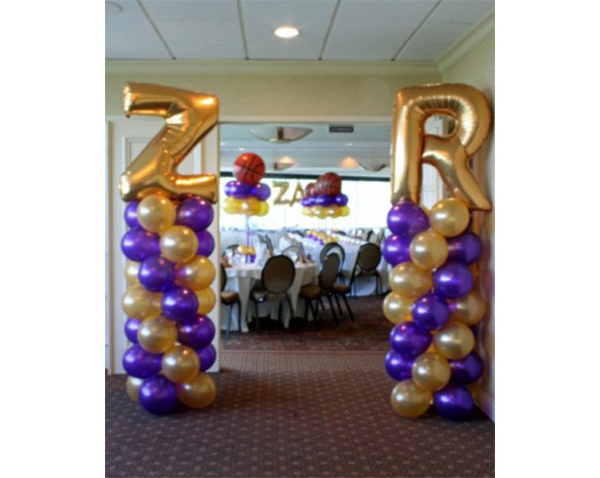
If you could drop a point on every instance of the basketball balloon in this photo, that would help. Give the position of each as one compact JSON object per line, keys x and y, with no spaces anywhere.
{"x":330,"y":184}
{"x":310,"y":190}
{"x":249,"y":168}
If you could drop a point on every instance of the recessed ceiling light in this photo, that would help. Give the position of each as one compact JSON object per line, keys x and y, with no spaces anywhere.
{"x":286,"y":32}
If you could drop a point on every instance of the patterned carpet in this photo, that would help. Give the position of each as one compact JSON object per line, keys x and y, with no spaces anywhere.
{"x":310,"y":413}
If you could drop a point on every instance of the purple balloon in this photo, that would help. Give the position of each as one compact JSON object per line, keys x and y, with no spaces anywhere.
{"x":156,"y":274}
{"x":157,"y":395}
{"x":131,"y":214}
{"x":466,"y":248}
{"x":138,"y":244}
{"x":340,"y":199}
{"x":304,"y":202}
{"x":453,"y":402}
{"x":206,"y":243}
{"x":323,"y":200}
{"x":409,"y":340}
{"x":140,"y":363}
{"x":230,"y":188}
{"x":452,"y":280}
{"x":179,"y":304}
{"x":198,"y":334}
{"x":195,"y":213}
{"x":261,"y":191}
{"x":466,"y":370}
{"x":397,"y":366}
{"x":131,"y":327}
{"x":407,"y":219}
{"x":240,"y":190}
{"x":396,"y":249}
{"x":207,"y":357}
{"x":311,"y":201}
{"x":430,"y":311}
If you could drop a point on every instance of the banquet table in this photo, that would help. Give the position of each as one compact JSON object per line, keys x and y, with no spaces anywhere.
{"x":243,"y":277}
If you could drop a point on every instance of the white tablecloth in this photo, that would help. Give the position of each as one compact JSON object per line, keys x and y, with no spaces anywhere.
{"x":243,"y":278}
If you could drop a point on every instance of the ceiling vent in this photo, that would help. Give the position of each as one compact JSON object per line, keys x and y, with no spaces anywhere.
{"x":279,"y":134}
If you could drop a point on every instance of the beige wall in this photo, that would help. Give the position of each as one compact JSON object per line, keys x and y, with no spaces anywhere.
{"x":477,"y":69}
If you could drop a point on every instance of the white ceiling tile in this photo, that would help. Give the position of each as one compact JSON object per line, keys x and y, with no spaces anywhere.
{"x":262,"y":17}
{"x":129,"y":35}
{"x":374,"y":29}
{"x":198,"y":29}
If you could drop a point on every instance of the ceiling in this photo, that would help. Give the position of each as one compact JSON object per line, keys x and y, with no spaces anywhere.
{"x":394,"y":30}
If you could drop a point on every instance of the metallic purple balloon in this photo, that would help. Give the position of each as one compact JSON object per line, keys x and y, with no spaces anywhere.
{"x":311,"y":201}
{"x":206,"y":243}
{"x":452,"y":280}
{"x":398,"y":367}
{"x":453,"y":402}
{"x":261,"y":191}
{"x":156,"y":274}
{"x":138,"y":244}
{"x":140,"y":363}
{"x":430,"y":311}
{"x":179,"y":304}
{"x":340,"y":199}
{"x":323,"y":200}
{"x":466,"y":248}
{"x":131,"y":327}
{"x":207,"y":357}
{"x":157,"y":395}
{"x":197,"y":334}
{"x":230,"y":188}
{"x":304,"y":202}
{"x":409,"y":340}
{"x":407,"y":219}
{"x":131,"y":214}
{"x":240,"y":190}
{"x":466,"y":370}
{"x":396,"y":249}
{"x":195,"y":213}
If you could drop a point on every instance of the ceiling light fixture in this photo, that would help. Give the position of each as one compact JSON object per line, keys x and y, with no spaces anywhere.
{"x":284,"y":163}
{"x":286,"y":32}
{"x":348,"y":163}
{"x":279,"y":134}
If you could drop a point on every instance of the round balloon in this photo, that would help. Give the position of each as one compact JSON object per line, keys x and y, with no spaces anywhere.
{"x":397,"y":366}
{"x":397,"y":308}
{"x":310,"y":189}
{"x":196,"y":274}
{"x":430,"y":311}
{"x":240,"y":190}
{"x":408,"y":280}
{"x":466,"y":370}
{"x":250,"y":206}
{"x":206,"y":243}
{"x":431,"y":372}
{"x":344,"y":211}
{"x":132,"y":387}
{"x":157,"y":335}
{"x":156,"y":274}
{"x":449,"y":217}
{"x":140,"y":363}
{"x":180,"y":304}
{"x":233,"y":206}
{"x":196,"y":213}
{"x":261,"y":191}
{"x":323,"y":200}
{"x":406,"y":219}
{"x":428,"y":250}
{"x":157,"y":395}
{"x":206,"y":300}
{"x":396,"y":249}
{"x":452,"y":280}
{"x":409,"y":340}
{"x":178,"y":244}
{"x":454,"y":402}
{"x":131,"y":214}
{"x":466,"y":248}
{"x":454,"y":341}
{"x":180,"y":364}
{"x":230,"y":188}
{"x":138,"y":244}
{"x":468,"y":309}
{"x":264,"y":209}
{"x":140,"y":303}
{"x":198,"y":392}
{"x":340,"y":199}
{"x":207,"y":356}
{"x":198,"y":334}
{"x":156,"y":213}
{"x":131,"y":327}
{"x":131,"y":272}
{"x":408,"y":400}
{"x":249,"y":168}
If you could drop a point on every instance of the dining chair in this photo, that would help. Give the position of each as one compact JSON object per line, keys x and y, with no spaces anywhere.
{"x":335,"y":248}
{"x":230,"y":251}
{"x":367,"y":261}
{"x":276,"y":279}
{"x":313,"y":293}
{"x":230,"y":298}
{"x":294,"y":252}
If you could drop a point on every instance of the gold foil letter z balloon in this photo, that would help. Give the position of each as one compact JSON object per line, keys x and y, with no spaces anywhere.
{"x":189,"y":116}
{"x":449,"y":154}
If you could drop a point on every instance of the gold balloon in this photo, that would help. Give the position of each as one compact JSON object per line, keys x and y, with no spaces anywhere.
{"x":199,"y":392}
{"x":468,"y":309}
{"x":140,"y":303}
{"x":431,"y":372}
{"x":454,"y":341}
{"x":408,"y":400}
{"x":250,"y":206}
{"x":233,"y":205}
{"x":206,"y":300}
{"x":408,"y":280}
{"x":179,"y":244}
{"x":157,"y":334}
{"x":180,"y":364}
{"x":449,"y":217}
{"x":449,"y":154}
{"x":189,"y":117}
{"x":264,"y":209}
{"x":333,"y":211}
{"x":319,"y":211}
{"x":156,"y":213}
{"x":132,"y":386}
{"x":397,"y":308}
{"x":344,"y":211}
{"x":131,"y":273}
{"x":196,"y":274}
{"x":428,"y":250}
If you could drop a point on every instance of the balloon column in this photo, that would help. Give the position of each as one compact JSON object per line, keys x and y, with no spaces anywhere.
{"x":434,"y":303}
{"x":325,"y":198}
{"x":168,"y":271}
{"x":247,"y":195}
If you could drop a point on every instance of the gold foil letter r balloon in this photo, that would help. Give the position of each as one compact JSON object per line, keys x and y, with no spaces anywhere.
{"x":449,"y":154}
{"x":189,"y":117}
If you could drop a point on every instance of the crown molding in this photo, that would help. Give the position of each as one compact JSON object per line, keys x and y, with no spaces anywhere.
{"x":472,"y":38}
{"x":261,"y":67}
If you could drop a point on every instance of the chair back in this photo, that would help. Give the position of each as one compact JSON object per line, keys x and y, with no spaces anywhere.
{"x":329,"y":271}
{"x":333,"y":248}
{"x":230,"y":250}
{"x":369,"y":256}
{"x":294,"y":252}
{"x":223,"y":277}
{"x":278,"y":274}
{"x":369,"y":236}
